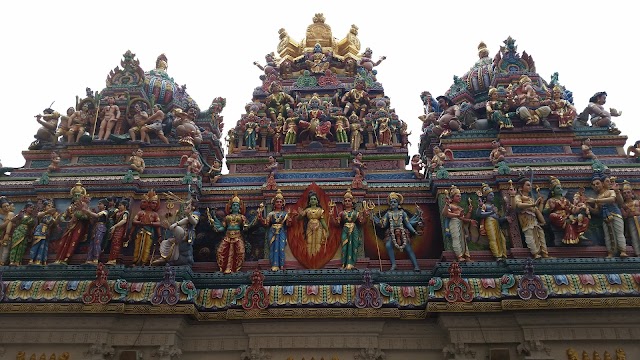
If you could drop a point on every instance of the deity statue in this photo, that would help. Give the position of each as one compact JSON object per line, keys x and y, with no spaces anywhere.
{"x":358,"y":166}
{"x":278,"y":102}
{"x":586,"y":150}
{"x":497,"y":153}
{"x":216,"y":171}
{"x":316,"y":229}
{"x":278,"y":131}
{"x":497,"y":110}
{"x":598,"y":115}
{"x":46,"y":133}
{"x":356,"y":100}
{"x":186,"y":130}
{"x":178,"y":250}
{"x":631,"y":214}
{"x":118,"y":231}
{"x":530,"y":217}
{"x":78,"y":123}
{"x":154,"y":125}
{"x":272,"y":166}
{"x":77,"y":225}
{"x":110,"y":116}
{"x":527,"y":102}
{"x":55,"y":162}
{"x":192,"y":163}
{"x":270,"y":67}
{"x":318,"y":62}
{"x":138,"y":121}
{"x":136,"y":162}
{"x":341,"y":125}
{"x":561,"y":108}
{"x":22,"y":233}
{"x":382,"y":127}
{"x":230,"y":253}
{"x":399,"y":228}
{"x":490,"y":222}
{"x":47,"y":220}
{"x":351,"y":221}
{"x":448,"y":120}
{"x":438,"y":159}
{"x":454,"y":219}
{"x":606,"y":204}
{"x":6,"y":214}
{"x":251,"y":134}
{"x":99,"y":230}
{"x":581,"y":213}
{"x":146,"y":231}
{"x":356,"y":132}
{"x":277,"y":222}
{"x":314,"y":123}
{"x":561,"y":214}
{"x":416,"y":166}
{"x":366,"y":61}
{"x":292,"y":127}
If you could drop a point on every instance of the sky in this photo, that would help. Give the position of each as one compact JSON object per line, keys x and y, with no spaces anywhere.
{"x":53,"y":50}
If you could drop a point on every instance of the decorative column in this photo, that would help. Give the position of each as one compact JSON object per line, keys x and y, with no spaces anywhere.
{"x":99,"y":351}
{"x":370,"y":354}
{"x":458,"y":351}
{"x":255,"y":354}
{"x":167,"y":352}
{"x":534,"y":350}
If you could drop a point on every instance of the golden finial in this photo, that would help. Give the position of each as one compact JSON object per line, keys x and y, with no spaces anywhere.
{"x":348,"y":194}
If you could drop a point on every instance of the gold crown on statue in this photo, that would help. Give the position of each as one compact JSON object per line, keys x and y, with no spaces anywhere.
{"x":524,"y":79}
{"x":234,"y":199}
{"x":348,"y":194}
{"x":396,"y":196}
{"x":278,"y":196}
{"x":453,"y":191}
{"x":486,"y":189}
{"x":553,"y":182}
{"x":150,"y":196}
{"x":626,"y":185}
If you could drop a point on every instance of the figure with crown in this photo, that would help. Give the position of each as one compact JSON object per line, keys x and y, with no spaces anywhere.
{"x":147,"y":228}
{"x":77,"y":224}
{"x":631,"y":214}
{"x":561,"y":214}
{"x":399,"y":228}
{"x":351,"y":220}
{"x":561,"y":108}
{"x":230,"y":253}
{"x":527,"y":102}
{"x":529,"y":210}
{"x":454,"y":219}
{"x":490,"y":222}
{"x":277,"y":222}
{"x":606,"y":204}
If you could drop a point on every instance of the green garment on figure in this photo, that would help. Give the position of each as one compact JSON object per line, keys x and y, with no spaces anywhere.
{"x":19,"y":238}
{"x":351,"y":237}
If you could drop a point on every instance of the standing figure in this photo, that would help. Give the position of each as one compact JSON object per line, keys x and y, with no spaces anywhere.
{"x":23,"y":225}
{"x":118,"y":231}
{"x":496,"y":111}
{"x":250,"y":134}
{"x":561,"y":214}
{"x":137,"y":121}
{"x":110,"y":116}
{"x":78,"y":123}
{"x":399,"y":228}
{"x":351,"y":221}
{"x":6,"y":214}
{"x":612,"y":223}
{"x":316,"y":231}
{"x":77,"y":227}
{"x":342,"y":125}
{"x":416,"y":166}
{"x":356,"y":132}
{"x":356,"y":100}
{"x":147,"y":228}
{"x":530,"y":218}
{"x":47,"y":220}
{"x":598,"y":115}
{"x":154,"y":125}
{"x":99,"y":230}
{"x":230,"y":253}
{"x":631,"y":214}
{"x":277,"y":222}
{"x":383,"y":128}
{"x":490,"y":223}
{"x":292,"y":127}
{"x":278,"y":137}
{"x":136,"y":162}
{"x":454,"y":219}
{"x":498,"y":153}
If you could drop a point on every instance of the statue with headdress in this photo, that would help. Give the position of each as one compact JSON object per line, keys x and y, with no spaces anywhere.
{"x":527,"y":102}
{"x":455,"y":217}
{"x":77,"y":224}
{"x":356,"y":100}
{"x":606,"y":204}
{"x":351,"y":220}
{"x":230,"y":253}
{"x":561,"y":214}
{"x":278,"y":102}
{"x":530,"y":218}
{"x":46,"y":133}
{"x":490,"y":222}
{"x":146,"y":231}
{"x":631,"y":214}
{"x":561,"y":108}
{"x":6,"y":214}
{"x":178,"y":249}
{"x":399,"y":228}
{"x":276,"y":221}
{"x":596,"y":113}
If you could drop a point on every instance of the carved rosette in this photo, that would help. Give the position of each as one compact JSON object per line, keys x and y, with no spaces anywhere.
{"x":457,"y":288}
{"x":166,"y":291}
{"x":531,"y":285}
{"x":98,"y":291}
{"x":256,"y":296}
{"x":367,"y":295}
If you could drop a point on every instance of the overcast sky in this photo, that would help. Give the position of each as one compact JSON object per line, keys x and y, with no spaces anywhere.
{"x":53,"y":50}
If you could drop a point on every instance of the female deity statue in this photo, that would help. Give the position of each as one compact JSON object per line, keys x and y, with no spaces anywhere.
{"x":351,"y":221}
{"x":496,"y":110}
{"x":530,"y":218}
{"x":78,"y":123}
{"x":230,"y":253}
{"x":316,"y":230}
{"x":77,"y":227}
{"x":356,"y":132}
{"x":342,"y":125}
{"x":490,"y":223}
{"x":292,"y":127}
{"x":47,"y":219}
{"x":98,"y":232}
{"x":6,"y":214}
{"x":631,"y":213}
{"x":147,"y":228}
{"x":454,"y":219}
{"x":612,"y":223}
{"x":399,"y":228}
{"x":277,"y":222}
{"x":23,"y":225}
{"x":561,"y":214}
{"x":118,"y":231}
{"x":561,"y":108}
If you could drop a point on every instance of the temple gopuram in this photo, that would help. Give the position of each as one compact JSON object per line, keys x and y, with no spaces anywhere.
{"x":515,"y":234}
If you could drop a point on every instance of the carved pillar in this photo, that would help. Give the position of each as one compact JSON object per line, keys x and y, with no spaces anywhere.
{"x":167,"y":352}
{"x":263,"y":140}
{"x":458,"y":351}
{"x":534,"y":350}
{"x":99,"y":351}
{"x":255,"y":354}
{"x":370,"y":354}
